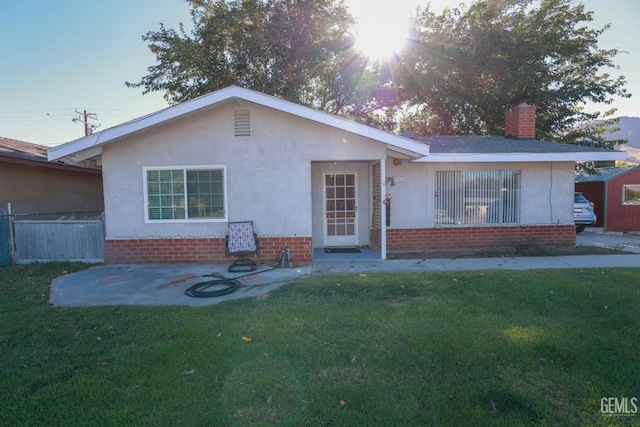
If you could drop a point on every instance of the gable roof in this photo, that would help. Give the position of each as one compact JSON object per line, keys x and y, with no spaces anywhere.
{"x":15,"y":151}
{"x":500,"y":149}
{"x":605,"y":174}
{"x":91,"y":146}
{"x":433,"y":149}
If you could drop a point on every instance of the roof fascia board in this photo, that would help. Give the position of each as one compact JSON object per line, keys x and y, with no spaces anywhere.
{"x":86,"y":154}
{"x":234,"y":92}
{"x":119,"y":131}
{"x":395,"y":151}
{"x":522,"y":157}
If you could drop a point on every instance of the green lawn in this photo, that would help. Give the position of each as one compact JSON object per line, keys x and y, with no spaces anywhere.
{"x":449,"y":348}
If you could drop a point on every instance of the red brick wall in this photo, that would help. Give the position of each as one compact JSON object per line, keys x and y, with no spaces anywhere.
{"x":199,"y":250}
{"x":520,"y":122}
{"x":477,"y":238}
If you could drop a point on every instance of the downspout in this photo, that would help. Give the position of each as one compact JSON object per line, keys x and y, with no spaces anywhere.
{"x":383,"y":223}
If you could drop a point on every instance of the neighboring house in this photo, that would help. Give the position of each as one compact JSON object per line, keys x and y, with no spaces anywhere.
{"x":615,"y":192}
{"x":32,"y":184}
{"x":175,"y":178}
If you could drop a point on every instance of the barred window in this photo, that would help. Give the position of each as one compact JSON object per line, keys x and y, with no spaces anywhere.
{"x":185,"y":193}
{"x":478,"y":197}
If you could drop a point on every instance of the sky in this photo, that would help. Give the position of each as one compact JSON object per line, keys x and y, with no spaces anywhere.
{"x":61,"y":57}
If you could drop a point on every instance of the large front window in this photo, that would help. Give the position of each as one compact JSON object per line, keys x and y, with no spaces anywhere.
{"x":196,"y":193}
{"x":478,"y":197}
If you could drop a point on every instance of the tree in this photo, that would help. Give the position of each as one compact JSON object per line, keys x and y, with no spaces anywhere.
{"x":463,"y":67}
{"x":289,"y":48}
{"x":457,"y":75}
{"x":365,"y":91}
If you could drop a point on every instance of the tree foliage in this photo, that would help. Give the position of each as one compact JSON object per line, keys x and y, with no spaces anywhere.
{"x":366,"y":92}
{"x":457,"y":74}
{"x":463,"y":67}
{"x":289,"y":48}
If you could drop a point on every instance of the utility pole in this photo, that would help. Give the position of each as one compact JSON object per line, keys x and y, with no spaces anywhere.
{"x":84,"y":118}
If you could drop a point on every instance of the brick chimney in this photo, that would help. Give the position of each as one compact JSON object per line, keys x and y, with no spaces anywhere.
{"x":520,"y":119}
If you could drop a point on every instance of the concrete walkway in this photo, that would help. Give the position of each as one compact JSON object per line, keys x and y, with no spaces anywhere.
{"x":154,"y":285}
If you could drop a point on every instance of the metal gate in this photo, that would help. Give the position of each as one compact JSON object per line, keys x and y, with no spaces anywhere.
{"x":5,"y":240}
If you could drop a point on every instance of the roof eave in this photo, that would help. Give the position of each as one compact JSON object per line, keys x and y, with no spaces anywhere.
{"x":606,"y":177}
{"x":522,"y":157}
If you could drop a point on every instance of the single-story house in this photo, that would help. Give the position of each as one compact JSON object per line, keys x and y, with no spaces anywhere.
{"x":174,"y":179}
{"x":615,"y":193}
{"x":32,"y":184}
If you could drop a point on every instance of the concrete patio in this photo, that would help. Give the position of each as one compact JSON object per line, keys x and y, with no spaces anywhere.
{"x":165,"y":284}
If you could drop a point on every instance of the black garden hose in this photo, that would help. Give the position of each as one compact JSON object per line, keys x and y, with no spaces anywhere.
{"x":222,"y":286}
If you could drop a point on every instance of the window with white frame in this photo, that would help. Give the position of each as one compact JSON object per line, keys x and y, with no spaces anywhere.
{"x":477,"y":197}
{"x":185,"y":193}
{"x":631,"y":194}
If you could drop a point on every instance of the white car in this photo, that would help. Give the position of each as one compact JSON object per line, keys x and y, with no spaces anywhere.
{"x":583,"y":213}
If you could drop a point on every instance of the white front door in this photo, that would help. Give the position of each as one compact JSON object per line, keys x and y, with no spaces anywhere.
{"x":340,"y":208}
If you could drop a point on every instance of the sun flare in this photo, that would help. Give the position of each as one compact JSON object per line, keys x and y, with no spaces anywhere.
{"x":380,"y":32}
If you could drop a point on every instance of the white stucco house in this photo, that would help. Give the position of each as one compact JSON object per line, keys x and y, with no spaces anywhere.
{"x":174,"y":179}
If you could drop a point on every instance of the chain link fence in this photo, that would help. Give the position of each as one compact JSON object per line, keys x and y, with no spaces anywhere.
{"x":55,"y":236}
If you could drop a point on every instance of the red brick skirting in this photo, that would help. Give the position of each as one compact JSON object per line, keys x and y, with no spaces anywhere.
{"x":478,"y":238}
{"x":199,"y":250}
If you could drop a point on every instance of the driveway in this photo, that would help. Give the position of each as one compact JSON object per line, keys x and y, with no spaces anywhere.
{"x":621,"y":241}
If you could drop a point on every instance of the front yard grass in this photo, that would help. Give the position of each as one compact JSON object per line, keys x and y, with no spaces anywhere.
{"x":509,"y":348}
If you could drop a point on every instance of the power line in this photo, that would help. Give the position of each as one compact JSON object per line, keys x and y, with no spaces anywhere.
{"x":50,"y":110}
{"x":35,"y":111}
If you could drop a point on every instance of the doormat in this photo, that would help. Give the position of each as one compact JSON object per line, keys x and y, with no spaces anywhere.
{"x":341,"y":250}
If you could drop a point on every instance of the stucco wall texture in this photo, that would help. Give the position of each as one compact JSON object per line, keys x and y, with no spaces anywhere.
{"x":274,"y":178}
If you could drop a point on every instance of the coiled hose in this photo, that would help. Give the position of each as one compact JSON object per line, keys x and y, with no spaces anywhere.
{"x":223,"y":286}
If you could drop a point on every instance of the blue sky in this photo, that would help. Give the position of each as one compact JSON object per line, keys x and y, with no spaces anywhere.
{"x":59,"y":56}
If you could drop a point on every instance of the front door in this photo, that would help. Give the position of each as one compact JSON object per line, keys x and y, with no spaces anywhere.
{"x":340,"y":209}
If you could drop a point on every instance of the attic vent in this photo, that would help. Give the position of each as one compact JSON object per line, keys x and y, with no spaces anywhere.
{"x":242,"y":123}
